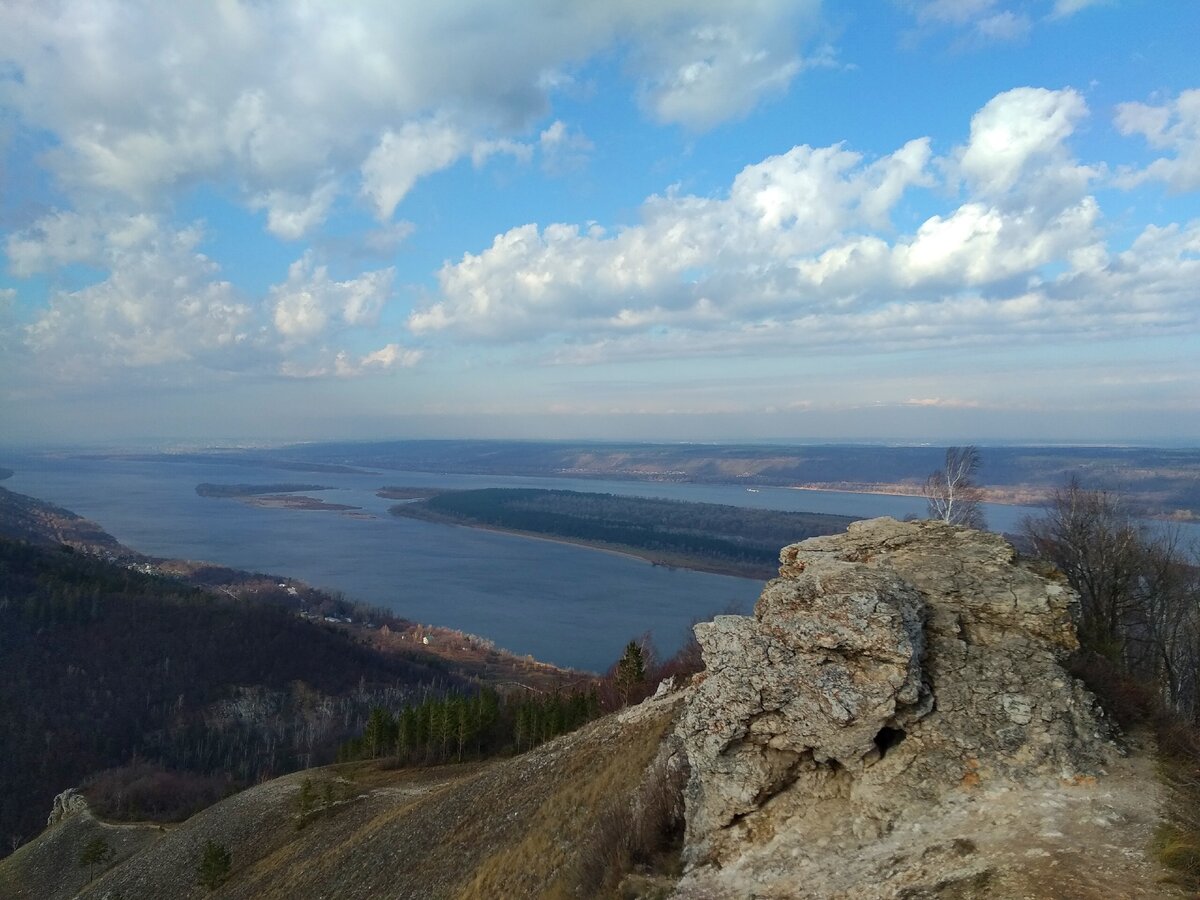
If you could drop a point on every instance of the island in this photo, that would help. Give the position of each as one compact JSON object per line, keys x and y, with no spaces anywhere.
{"x":251,"y":490}
{"x":708,"y":537}
{"x":274,"y":496}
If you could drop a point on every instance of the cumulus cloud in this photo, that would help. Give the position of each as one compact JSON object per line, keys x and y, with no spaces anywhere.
{"x":1173,"y":126}
{"x":162,"y":303}
{"x":400,"y":158}
{"x":309,"y":303}
{"x":800,"y":253}
{"x":65,"y":238}
{"x":1018,"y":146}
{"x":531,"y":280}
{"x":162,"y":308}
{"x":292,"y":215}
{"x":293,"y":103}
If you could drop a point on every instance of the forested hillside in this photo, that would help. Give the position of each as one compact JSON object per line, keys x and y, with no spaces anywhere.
{"x":107,"y":667}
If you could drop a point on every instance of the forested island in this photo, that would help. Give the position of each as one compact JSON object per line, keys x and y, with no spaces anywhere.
{"x":709,"y":537}
{"x":253,"y":490}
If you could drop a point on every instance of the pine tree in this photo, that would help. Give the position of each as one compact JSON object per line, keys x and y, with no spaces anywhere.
{"x":631,"y":671}
{"x":96,"y":852}
{"x":214,"y":864}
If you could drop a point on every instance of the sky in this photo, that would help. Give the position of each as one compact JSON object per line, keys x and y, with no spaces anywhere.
{"x":905,"y":220}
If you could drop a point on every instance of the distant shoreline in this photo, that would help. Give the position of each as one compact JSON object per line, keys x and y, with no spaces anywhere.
{"x":999,"y":496}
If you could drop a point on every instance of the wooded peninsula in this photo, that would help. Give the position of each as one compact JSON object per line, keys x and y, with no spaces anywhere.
{"x":709,"y":537}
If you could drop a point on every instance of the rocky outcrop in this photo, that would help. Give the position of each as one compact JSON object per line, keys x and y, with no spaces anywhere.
{"x":69,"y":803}
{"x":888,"y":671}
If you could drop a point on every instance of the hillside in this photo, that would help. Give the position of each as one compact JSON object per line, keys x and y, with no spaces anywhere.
{"x":164,"y":685}
{"x":517,"y":828}
{"x":892,"y":722}
{"x":105,"y":665}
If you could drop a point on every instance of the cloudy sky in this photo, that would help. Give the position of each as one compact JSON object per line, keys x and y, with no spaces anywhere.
{"x":688,"y":219}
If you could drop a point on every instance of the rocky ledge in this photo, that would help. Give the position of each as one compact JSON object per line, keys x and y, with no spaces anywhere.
{"x":892,"y":678}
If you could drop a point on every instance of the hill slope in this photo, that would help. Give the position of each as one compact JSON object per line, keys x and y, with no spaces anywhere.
{"x":104,"y":665}
{"x":517,"y":828}
{"x":893,"y":722}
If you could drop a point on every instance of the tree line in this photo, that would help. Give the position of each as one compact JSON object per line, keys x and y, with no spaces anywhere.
{"x":472,"y":726}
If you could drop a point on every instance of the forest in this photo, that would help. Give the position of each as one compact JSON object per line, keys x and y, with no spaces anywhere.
{"x":165,"y":693}
{"x":706,"y":536}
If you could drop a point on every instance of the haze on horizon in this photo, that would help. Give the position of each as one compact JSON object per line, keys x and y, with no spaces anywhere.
{"x":944,"y":221}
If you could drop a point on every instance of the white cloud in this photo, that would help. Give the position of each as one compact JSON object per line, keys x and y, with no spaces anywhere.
{"x":161,"y":308}
{"x":292,"y":215}
{"x":343,"y":364}
{"x":708,"y":73}
{"x":65,"y":238}
{"x":977,"y":23}
{"x":1065,"y":8}
{"x":401,"y":158}
{"x":563,"y":149}
{"x":800,"y":254}
{"x":942,"y":403}
{"x":161,"y":304}
{"x":310,"y":304}
{"x":289,"y":103}
{"x":1173,"y":126}
{"x":531,"y":281}
{"x":1004,"y":26}
{"x":1018,"y":147}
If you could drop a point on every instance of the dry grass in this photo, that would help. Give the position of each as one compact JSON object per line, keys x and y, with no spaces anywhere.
{"x":520,"y":827}
{"x":571,"y":847}
{"x":1137,"y":708}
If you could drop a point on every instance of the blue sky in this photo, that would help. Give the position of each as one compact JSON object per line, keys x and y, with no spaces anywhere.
{"x":943,"y":220}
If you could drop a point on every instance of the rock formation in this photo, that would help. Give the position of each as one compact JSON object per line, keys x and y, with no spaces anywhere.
{"x":888,"y":675}
{"x":69,"y":803}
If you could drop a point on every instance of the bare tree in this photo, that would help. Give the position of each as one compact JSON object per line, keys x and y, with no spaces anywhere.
{"x":953,"y":495}
{"x":1091,"y":539}
{"x":1139,"y":589}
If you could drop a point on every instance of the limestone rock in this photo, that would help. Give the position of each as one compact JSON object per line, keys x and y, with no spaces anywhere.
{"x":888,"y":669}
{"x":69,"y":803}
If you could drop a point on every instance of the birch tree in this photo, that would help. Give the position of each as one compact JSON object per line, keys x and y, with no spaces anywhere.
{"x":953,"y":495}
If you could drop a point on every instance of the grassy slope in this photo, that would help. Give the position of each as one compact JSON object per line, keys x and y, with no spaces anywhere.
{"x":514,"y":828}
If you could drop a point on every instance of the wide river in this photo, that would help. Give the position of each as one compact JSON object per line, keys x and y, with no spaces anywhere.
{"x":563,"y":604}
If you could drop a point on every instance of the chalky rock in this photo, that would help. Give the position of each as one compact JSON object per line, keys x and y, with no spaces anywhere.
{"x":886,"y":669}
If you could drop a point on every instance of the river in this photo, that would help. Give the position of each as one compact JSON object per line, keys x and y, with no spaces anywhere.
{"x":563,"y":604}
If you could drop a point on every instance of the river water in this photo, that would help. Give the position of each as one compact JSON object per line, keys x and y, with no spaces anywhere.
{"x":563,"y":604}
